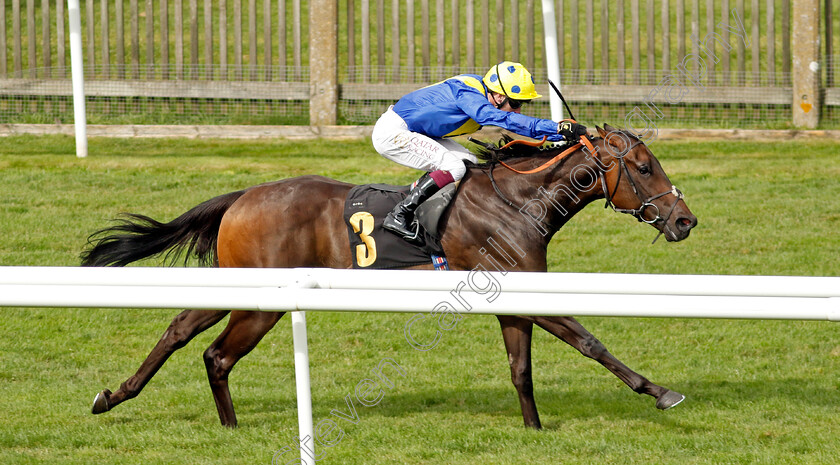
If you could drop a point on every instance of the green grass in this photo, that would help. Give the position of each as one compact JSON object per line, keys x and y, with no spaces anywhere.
{"x":758,"y":392}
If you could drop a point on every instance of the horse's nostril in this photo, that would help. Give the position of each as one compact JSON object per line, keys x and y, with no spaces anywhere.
{"x":685,"y":224}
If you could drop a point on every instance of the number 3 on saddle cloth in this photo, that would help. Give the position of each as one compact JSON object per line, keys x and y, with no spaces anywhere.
{"x":373,"y":247}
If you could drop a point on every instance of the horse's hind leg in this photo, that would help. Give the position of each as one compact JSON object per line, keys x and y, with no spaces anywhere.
{"x":517,"y":334}
{"x":572,"y":332}
{"x":183,"y":328}
{"x":243,"y":332}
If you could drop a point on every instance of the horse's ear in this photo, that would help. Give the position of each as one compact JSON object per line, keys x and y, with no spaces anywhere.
{"x":615,"y":137}
{"x":609,"y":135}
{"x":601,"y":131}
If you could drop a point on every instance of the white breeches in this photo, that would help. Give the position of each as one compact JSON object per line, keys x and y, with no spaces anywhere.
{"x":393,"y":140}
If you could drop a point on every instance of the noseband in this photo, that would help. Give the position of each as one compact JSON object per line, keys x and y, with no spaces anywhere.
{"x":638,"y":213}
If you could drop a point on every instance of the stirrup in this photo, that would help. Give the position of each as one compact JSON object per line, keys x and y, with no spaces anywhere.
{"x":416,"y":238}
{"x":413,"y":235}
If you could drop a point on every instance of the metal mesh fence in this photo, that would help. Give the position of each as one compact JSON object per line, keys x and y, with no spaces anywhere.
{"x":830,"y":116}
{"x":764,"y":106}
{"x":283,"y":102}
{"x":142,"y":76}
{"x":144,"y":96}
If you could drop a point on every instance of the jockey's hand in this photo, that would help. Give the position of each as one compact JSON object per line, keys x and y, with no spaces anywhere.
{"x":570,"y":130}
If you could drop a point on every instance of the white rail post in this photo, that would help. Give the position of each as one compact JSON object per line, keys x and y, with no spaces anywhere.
{"x":302,"y":382}
{"x":552,"y":61}
{"x":78,"y":74}
{"x":304,"y":391}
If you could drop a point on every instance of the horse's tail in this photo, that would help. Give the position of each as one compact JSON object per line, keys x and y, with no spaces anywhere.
{"x":138,"y":236}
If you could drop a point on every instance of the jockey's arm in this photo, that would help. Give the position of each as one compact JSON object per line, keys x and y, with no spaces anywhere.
{"x":477,"y":107}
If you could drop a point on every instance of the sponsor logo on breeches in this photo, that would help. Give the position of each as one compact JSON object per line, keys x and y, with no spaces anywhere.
{"x":417,"y":145}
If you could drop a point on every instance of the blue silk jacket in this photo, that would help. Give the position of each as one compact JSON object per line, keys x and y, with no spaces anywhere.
{"x":459,"y":106}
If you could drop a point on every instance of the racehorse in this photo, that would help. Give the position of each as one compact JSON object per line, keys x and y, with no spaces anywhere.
{"x":298,"y":222}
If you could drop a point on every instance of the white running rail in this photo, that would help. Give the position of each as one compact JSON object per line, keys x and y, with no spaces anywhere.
{"x":316,"y":289}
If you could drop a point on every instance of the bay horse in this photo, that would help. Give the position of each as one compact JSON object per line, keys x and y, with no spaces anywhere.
{"x":297,"y":222}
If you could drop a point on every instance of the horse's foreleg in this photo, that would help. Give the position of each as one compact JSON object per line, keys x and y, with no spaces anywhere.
{"x":183,"y":328}
{"x":517,"y":335}
{"x":243,"y":332}
{"x":572,"y":332}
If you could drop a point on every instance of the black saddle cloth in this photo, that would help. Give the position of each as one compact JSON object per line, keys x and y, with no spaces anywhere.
{"x":373,"y":247}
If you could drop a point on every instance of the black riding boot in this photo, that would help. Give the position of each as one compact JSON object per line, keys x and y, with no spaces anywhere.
{"x":399,"y":220}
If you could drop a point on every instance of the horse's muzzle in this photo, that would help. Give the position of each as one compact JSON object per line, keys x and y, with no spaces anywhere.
{"x":681,"y":228}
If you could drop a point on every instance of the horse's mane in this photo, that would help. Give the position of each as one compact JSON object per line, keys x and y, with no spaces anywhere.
{"x":490,"y":154}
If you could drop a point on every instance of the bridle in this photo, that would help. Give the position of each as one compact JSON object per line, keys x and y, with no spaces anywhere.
{"x":639,"y":213}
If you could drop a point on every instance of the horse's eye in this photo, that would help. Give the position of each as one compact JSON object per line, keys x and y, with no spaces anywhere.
{"x":644,"y":170}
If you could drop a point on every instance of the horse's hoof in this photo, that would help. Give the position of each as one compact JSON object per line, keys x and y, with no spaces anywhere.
{"x":669,"y":399}
{"x":100,"y":402}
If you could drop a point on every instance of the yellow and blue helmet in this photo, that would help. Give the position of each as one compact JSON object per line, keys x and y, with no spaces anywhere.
{"x":511,"y":80}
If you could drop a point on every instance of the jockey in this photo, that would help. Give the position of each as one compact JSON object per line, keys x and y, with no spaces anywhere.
{"x":414,"y":131}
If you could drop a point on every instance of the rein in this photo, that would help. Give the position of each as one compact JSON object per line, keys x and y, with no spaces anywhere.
{"x":584,"y":141}
{"x":545,"y":165}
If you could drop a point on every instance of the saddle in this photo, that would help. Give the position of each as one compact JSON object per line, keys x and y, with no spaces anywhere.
{"x":373,"y":247}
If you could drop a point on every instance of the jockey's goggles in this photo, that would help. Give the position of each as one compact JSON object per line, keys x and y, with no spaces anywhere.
{"x":514,"y":104}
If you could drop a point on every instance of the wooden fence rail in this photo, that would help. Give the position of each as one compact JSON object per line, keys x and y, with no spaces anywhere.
{"x":608,"y":49}
{"x":192,"y":39}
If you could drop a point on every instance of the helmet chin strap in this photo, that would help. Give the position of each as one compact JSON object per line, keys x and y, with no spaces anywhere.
{"x":507,"y":97}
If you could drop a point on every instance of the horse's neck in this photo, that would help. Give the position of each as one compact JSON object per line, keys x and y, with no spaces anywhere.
{"x":480,"y":219}
{"x":560,"y":191}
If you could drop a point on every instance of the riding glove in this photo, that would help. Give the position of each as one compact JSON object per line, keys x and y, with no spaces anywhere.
{"x":571,"y":130}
